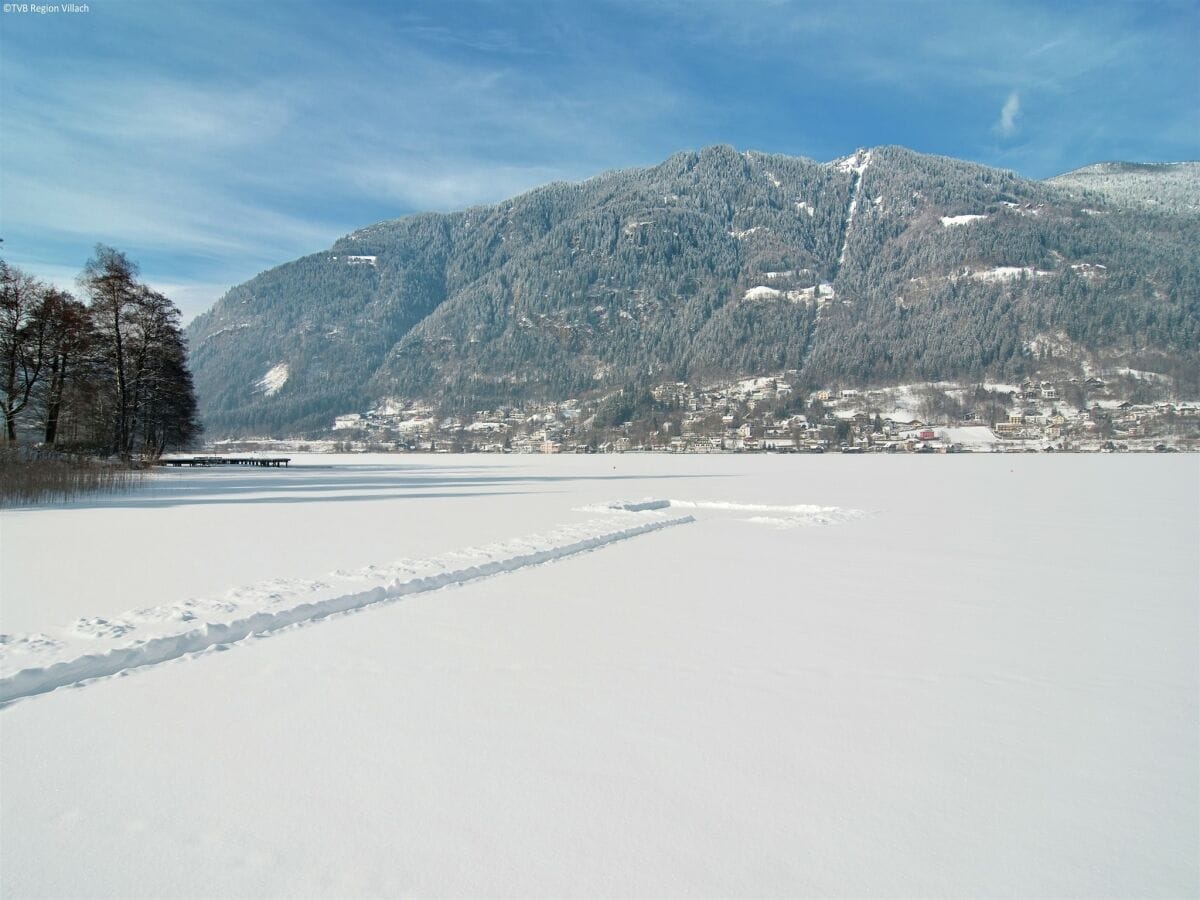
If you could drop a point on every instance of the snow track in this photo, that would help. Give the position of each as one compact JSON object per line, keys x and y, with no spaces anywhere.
{"x":94,"y":647}
{"x":777,"y":516}
{"x":856,"y":165}
{"x":27,"y":682}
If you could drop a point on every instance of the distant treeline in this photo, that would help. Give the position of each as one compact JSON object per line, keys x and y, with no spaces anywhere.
{"x":107,"y":374}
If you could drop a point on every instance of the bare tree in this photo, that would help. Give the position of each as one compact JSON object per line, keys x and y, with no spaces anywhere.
{"x":163,"y":400}
{"x":110,"y":281}
{"x":68,"y":345}
{"x":22,"y":342}
{"x":142,"y":358}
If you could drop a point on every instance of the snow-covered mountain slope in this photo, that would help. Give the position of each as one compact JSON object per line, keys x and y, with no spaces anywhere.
{"x":640,"y":275}
{"x":1163,"y":186}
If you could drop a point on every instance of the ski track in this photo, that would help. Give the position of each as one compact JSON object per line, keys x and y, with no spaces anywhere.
{"x":268,"y":596}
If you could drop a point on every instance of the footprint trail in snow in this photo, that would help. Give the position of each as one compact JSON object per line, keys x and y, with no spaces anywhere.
{"x":94,"y":647}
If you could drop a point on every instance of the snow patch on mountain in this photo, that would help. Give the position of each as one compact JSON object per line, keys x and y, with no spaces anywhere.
{"x":952,"y":221}
{"x":856,"y":162}
{"x":748,"y":232}
{"x":762,"y":292}
{"x":1006,"y":273}
{"x":226,"y":330}
{"x":857,"y":165}
{"x":271,"y":383}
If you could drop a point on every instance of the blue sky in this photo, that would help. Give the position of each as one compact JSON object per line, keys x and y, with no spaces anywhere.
{"x":211,"y":140}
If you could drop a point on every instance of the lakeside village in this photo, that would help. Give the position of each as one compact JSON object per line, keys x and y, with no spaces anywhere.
{"x":768,"y":414}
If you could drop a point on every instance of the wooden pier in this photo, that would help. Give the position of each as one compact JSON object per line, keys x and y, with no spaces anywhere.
{"x":261,"y":461}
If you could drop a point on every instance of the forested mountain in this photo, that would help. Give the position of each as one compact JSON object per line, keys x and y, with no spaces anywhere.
{"x":1170,"y":186}
{"x":885,"y":266}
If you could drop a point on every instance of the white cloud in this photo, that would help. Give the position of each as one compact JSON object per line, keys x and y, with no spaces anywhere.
{"x":1007,"y":124}
{"x":421,"y":183}
{"x":211,"y":151}
{"x":229,"y":170}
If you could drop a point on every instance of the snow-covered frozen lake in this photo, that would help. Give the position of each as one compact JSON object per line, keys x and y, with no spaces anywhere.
{"x":616,"y":676}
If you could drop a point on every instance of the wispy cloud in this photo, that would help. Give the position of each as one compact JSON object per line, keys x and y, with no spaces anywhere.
{"x":1006,"y":125}
{"x":213,"y":140}
{"x":445,"y":185}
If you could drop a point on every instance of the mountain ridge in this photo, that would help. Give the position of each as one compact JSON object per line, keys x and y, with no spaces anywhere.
{"x":1168,"y":185}
{"x":885,"y":264}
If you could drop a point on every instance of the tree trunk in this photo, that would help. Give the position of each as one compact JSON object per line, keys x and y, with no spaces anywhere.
{"x":58,"y":374}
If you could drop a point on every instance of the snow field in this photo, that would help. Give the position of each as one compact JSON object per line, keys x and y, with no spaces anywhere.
{"x":955,"y":221}
{"x":95,"y":647}
{"x":26,"y":682}
{"x":986,"y":686}
{"x":215,"y":536}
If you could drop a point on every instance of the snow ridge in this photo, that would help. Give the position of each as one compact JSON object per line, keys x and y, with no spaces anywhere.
{"x":778,"y":516}
{"x":40,"y":679}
